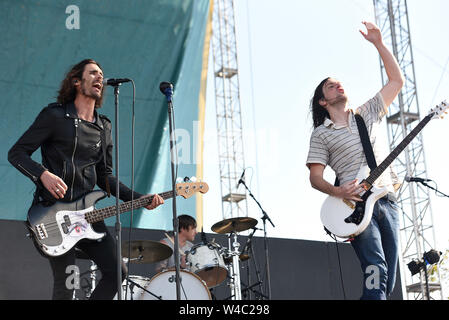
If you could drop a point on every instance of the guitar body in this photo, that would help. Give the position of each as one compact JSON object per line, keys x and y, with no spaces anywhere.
{"x":347,"y":219}
{"x":59,"y":227}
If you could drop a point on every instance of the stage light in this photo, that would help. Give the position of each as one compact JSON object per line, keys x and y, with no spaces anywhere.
{"x":429,"y":257}
{"x":432,"y":256}
{"x":415,"y":266}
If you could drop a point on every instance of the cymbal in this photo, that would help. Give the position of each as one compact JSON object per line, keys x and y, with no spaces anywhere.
{"x":146,"y":251}
{"x":234,"y":225}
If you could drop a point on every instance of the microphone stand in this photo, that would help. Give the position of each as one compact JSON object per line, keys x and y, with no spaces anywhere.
{"x":118,"y":225}
{"x":264,"y":218}
{"x":249,"y":244}
{"x":167,"y":90}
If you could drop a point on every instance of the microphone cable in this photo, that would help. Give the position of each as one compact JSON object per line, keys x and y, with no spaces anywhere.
{"x":132,"y":187}
{"x":339,"y":261}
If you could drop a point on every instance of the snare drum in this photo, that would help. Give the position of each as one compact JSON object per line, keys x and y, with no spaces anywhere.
{"x":207,"y":262}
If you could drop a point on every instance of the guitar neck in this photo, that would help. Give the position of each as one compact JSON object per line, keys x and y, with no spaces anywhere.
{"x":375,"y":174}
{"x":104,"y":213}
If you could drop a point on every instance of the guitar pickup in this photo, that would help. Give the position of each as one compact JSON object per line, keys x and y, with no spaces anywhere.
{"x":66,"y":224}
{"x":41,"y":231}
{"x":67,"y":220}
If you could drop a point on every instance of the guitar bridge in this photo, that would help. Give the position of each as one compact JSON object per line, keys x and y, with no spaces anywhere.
{"x":349,"y":204}
{"x":41,"y":231}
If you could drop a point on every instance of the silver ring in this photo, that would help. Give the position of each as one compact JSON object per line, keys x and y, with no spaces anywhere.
{"x":57,"y":190}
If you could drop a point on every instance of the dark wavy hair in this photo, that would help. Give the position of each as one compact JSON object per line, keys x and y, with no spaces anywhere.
{"x":67,"y":91}
{"x":319,"y":113}
{"x":186,"y":221}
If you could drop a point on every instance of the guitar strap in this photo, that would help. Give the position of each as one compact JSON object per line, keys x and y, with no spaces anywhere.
{"x":366,"y":143}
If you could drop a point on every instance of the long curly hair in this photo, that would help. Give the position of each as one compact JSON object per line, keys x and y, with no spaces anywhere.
{"x":67,"y":91}
{"x":319,"y":113}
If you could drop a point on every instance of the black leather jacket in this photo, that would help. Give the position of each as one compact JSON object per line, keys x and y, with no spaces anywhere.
{"x":71,"y":149}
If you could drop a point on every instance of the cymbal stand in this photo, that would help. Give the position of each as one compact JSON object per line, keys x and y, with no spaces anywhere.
{"x":235,"y":268}
{"x":249,"y":247}
{"x":93,"y":277}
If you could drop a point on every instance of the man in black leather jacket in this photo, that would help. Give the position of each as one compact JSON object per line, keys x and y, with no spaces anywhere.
{"x":76,"y":147}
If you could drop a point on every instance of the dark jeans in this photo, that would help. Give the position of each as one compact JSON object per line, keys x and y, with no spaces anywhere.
{"x":103,"y":253}
{"x":378,"y":251}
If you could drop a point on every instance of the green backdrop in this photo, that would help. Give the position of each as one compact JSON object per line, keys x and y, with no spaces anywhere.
{"x":149,"y":41}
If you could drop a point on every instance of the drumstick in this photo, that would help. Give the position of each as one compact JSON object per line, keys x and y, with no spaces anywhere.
{"x":173,"y":243}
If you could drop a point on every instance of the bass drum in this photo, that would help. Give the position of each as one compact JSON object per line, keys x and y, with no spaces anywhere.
{"x":163,"y":285}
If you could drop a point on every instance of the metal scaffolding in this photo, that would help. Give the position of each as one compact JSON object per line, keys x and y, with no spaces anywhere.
{"x":227,"y":101}
{"x":417,"y":233}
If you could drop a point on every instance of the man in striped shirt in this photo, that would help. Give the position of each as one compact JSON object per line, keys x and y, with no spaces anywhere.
{"x":335,"y":141}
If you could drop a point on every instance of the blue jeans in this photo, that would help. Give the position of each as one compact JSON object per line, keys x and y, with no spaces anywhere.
{"x":377,"y":248}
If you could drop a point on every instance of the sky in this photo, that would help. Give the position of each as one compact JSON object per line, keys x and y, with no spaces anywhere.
{"x":285,"y":48}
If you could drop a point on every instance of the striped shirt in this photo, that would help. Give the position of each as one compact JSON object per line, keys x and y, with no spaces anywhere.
{"x":340,"y":147}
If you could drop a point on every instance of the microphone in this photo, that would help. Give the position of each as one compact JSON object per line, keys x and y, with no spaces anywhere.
{"x":416,"y":179}
{"x":114,"y":82}
{"x":241,"y":177}
{"x":167,"y":89}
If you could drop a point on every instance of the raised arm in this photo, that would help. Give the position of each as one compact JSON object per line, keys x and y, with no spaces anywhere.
{"x":395,"y":78}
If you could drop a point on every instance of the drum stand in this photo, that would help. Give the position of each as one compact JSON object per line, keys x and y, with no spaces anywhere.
{"x":133,"y":283}
{"x":235,"y":284}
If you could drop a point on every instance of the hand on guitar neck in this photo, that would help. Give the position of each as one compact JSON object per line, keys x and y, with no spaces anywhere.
{"x":156,"y":202}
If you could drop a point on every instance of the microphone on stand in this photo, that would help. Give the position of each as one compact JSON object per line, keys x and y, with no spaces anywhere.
{"x":114,"y":82}
{"x":167,"y":89}
{"x":416,"y":179}
{"x":241,"y":178}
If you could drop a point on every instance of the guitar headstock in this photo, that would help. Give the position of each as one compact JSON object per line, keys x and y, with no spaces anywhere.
{"x":188,"y":189}
{"x":438,"y":111}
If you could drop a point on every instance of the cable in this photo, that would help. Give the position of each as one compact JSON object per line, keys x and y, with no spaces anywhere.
{"x":441,"y":80}
{"x":132,"y":186}
{"x":339,"y":261}
{"x":252,"y":94}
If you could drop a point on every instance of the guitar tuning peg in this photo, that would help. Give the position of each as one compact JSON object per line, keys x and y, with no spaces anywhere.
{"x":179,"y":180}
{"x":193,"y":179}
{"x":186,"y":179}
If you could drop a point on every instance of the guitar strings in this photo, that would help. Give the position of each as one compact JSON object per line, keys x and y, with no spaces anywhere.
{"x":99,"y":214}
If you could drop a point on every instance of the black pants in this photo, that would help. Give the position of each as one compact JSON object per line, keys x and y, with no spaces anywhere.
{"x":103,"y":253}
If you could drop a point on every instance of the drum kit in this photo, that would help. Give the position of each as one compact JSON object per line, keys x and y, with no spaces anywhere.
{"x":208,"y":266}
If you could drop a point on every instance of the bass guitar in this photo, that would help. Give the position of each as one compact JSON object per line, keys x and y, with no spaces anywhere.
{"x":57,"y":228}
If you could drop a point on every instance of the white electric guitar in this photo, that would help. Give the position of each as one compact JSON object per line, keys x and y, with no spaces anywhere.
{"x":347,"y":219}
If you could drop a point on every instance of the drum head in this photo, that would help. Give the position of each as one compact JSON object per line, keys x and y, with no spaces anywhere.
{"x":163,"y":285}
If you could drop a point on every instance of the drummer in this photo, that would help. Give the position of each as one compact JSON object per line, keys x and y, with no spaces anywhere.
{"x":186,"y":236}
